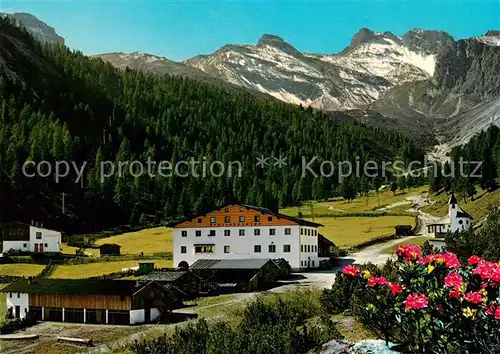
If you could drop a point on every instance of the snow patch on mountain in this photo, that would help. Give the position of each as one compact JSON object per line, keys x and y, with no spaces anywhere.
{"x":386,"y":59}
{"x":490,"y":40}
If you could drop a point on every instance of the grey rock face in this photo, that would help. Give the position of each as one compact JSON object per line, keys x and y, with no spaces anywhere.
{"x":37,"y":28}
{"x":354,"y":78}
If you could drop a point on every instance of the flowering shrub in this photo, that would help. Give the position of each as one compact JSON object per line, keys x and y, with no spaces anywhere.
{"x":438,"y":304}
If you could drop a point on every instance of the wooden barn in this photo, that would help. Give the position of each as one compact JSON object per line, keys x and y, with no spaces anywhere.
{"x":120,"y":302}
{"x":109,"y":249}
{"x":235,"y":275}
{"x":184,"y":280}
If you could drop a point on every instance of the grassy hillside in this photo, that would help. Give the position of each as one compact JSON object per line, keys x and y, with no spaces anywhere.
{"x":80,"y":271}
{"x":478,"y":207}
{"x":150,"y":241}
{"x":361,"y":204}
{"x":357,"y":226}
{"x":348,"y":232}
{"x":20,"y":269}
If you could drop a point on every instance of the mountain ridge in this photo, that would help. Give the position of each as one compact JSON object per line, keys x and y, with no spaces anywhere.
{"x":419,"y":79}
{"x":39,"y":29}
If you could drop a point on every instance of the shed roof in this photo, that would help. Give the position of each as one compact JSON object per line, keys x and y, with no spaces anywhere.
{"x":166,"y":276}
{"x":72,"y":287}
{"x":229,"y":263}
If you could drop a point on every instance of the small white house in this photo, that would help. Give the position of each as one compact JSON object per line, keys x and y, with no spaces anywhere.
{"x":30,"y":238}
{"x":457,"y":220}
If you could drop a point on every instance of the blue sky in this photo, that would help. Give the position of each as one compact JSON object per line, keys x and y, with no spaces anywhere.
{"x":182,"y":29}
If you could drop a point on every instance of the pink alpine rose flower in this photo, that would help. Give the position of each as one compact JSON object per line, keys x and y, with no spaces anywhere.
{"x":410,"y":253}
{"x":497,"y":313}
{"x":396,"y":288}
{"x":473,"y":297}
{"x":351,"y":270}
{"x":416,"y":302}
{"x":373,"y":281}
{"x":453,"y":280}
{"x":473,"y":260}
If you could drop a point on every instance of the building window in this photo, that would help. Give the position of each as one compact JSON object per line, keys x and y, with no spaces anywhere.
{"x":38,"y":235}
{"x":272,"y":232}
{"x":313,"y":263}
{"x":256,"y":232}
{"x":25,"y":245}
{"x":227,"y":219}
{"x":256,"y":218}
{"x":272,"y":248}
{"x":204,"y":249}
{"x":256,"y":249}
{"x":288,"y":231}
{"x":315,"y":248}
{"x":302,"y":263}
{"x":213,"y":219}
{"x":18,"y":295}
{"x":183,"y":249}
{"x":269,"y":218}
{"x":226,"y":210}
{"x":227,"y":249}
{"x":301,"y":231}
{"x":242,"y":219}
{"x":460,"y":222}
{"x":308,"y":232}
{"x":242,"y":232}
{"x":286,"y":248}
{"x":184,"y":233}
{"x":315,"y":232}
{"x":46,"y":245}
{"x":10,"y":294}
{"x":453,"y":206}
{"x":122,"y":298}
{"x":198,"y":233}
{"x":309,"y":248}
{"x":211,"y":233}
{"x":301,"y":248}
{"x":199,"y":220}
{"x":227,"y":232}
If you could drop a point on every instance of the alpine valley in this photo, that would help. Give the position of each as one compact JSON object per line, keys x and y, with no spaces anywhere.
{"x":57,"y":104}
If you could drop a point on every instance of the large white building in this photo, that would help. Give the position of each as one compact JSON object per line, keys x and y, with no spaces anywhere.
{"x":240,"y":231}
{"x":29,"y":238}
{"x":457,"y":220}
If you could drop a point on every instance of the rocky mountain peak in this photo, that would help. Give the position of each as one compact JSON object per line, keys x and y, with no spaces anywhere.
{"x":278,"y":43}
{"x":364,"y":35}
{"x":493,"y":33}
{"x":38,"y":29}
{"x":428,"y":42}
{"x":270,"y":39}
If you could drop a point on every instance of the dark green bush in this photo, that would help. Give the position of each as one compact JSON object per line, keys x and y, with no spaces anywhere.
{"x":13,"y":325}
{"x":291,"y":324}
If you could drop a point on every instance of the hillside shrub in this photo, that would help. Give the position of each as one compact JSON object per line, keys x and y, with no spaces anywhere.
{"x":12,"y":325}
{"x":436,"y":304}
{"x":482,"y":242}
{"x":290,"y":323}
{"x":339,"y":297}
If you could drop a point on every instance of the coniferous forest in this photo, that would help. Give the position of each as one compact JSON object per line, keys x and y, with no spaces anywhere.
{"x":59,"y":105}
